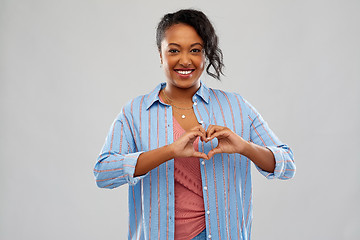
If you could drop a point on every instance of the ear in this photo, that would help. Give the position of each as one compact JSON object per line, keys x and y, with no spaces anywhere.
{"x":161,"y":59}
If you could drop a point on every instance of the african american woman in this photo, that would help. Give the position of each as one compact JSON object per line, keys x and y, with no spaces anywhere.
{"x":184,"y":149}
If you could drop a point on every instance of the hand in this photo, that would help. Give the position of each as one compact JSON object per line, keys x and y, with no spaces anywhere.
{"x":228,"y":141}
{"x":183,"y":147}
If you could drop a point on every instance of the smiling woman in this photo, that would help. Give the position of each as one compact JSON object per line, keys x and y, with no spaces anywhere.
{"x":185,"y":149}
{"x":183,"y":59}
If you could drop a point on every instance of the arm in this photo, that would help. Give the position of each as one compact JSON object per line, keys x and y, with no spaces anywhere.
{"x":262,"y":135}
{"x":119,"y":164}
{"x":271,"y":157}
{"x":183,"y":147}
{"x":153,"y":158}
{"x":116,"y":163}
{"x":261,"y":156}
{"x":230,"y":142}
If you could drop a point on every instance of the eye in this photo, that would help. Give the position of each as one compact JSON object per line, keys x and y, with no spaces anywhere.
{"x":173,"y":51}
{"x":196,"y":50}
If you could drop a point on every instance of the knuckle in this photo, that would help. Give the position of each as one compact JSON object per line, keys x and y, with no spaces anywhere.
{"x":195,"y":128}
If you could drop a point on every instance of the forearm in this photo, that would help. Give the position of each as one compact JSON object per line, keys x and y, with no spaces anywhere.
{"x":153,"y":158}
{"x":259,"y":155}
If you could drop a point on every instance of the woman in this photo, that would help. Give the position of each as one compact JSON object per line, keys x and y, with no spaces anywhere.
{"x":185,"y":149}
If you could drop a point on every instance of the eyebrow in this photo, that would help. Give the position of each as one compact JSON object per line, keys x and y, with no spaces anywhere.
{"x":192,"y":45}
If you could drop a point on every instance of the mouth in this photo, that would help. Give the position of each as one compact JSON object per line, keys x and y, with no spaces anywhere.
{"x":184,"y":72}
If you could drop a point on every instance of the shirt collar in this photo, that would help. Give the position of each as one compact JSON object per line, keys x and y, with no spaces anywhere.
{"x":203,"y":92}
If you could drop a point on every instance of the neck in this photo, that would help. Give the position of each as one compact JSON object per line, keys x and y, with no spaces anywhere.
{"x":181,"y":94}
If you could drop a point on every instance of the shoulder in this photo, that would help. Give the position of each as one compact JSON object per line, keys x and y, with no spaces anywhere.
{"x":132,"y":106}
{"x":136,"y":105}
{"x":232,"y":99}
{"x":226,"y":96}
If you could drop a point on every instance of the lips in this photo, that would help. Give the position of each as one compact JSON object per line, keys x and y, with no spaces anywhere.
{"x":184,"y":72}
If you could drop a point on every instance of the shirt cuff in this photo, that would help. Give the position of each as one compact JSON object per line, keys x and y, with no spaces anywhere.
{"x":129,"y":168}
{"x":279,"y":161}
{"x":279,"y":164}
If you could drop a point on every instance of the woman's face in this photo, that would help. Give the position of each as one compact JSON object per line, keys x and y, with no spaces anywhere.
{"x":182,"y":56}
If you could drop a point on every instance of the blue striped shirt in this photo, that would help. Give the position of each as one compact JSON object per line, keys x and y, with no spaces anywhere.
{"x":146,"y":123}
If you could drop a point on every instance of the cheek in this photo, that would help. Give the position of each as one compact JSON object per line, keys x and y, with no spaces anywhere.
{"x":201,"y":63}
{"x":168,"y":62}
{"x":168,"y":67}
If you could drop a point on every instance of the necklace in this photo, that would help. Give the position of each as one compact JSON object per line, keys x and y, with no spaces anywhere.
{"x":168,"y":99}
{"x":181,"y":114}
{"x":171,"y":102}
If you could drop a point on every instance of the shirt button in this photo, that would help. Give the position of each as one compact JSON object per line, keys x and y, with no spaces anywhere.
{"x":203,"y":162}
{"x":208,"y":212}
{"x":205,"y":188}
{"x":195,"y":103}
{"x":209,"y":236}
{"x":201,"y":122}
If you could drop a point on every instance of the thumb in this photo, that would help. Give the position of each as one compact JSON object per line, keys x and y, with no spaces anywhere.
{"x":213,"y":151}
{"x":200,"y":155}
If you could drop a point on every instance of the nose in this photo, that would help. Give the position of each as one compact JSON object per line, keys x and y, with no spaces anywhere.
{"x":185,"y":60}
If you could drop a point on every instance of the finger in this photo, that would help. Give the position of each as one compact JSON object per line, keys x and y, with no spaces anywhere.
{"x":213,"y":151}
{"x":203,"y":134}
{"x":220,"y":134}
{"x":200,"y":131}
{"x":197,"y":127}
{"x":200,"y":155}
{"x":209,"y":129}
{"x":194,"y":134}
{"x":213,"y":130}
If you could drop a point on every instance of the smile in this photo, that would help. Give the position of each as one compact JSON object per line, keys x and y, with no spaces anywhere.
{"x":184,"y":72}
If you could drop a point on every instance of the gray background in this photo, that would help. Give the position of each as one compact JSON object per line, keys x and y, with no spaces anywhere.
{"x":67,"y":67}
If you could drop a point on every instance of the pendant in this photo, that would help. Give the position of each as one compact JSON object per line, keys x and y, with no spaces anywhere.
{"x":183,"y":116}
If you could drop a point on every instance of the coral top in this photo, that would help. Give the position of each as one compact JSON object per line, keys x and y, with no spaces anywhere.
{"x":189,"y":202}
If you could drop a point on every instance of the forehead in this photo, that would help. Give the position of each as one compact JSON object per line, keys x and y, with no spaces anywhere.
{"x":181,"y":34}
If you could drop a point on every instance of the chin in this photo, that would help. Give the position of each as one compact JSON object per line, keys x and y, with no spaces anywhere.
{"x":181,"y":83}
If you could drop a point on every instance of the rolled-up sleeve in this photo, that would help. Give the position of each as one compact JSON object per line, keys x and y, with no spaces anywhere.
{"x":116,"y":163}
{"x":284,"y":163}
{"x":262,"y":135}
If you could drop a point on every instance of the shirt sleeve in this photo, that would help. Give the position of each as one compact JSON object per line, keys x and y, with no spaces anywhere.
{"x":116,"y":163}
{"x":262,"y":135}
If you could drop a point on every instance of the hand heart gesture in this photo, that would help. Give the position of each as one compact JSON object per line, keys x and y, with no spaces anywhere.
{"x":228,"y":142}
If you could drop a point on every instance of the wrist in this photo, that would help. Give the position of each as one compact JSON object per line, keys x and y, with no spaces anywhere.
{"x":170,"y":152}
{"x":245,"y":147}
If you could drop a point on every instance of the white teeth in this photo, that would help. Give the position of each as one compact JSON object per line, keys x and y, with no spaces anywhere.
{"x":184,"y":72}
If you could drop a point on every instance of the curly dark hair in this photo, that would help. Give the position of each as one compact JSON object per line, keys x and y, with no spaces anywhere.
{"x":204,"y":29}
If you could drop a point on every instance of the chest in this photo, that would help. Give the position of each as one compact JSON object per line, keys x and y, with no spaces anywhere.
{"x":187,"y":120}
{"x":153,"y":127}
